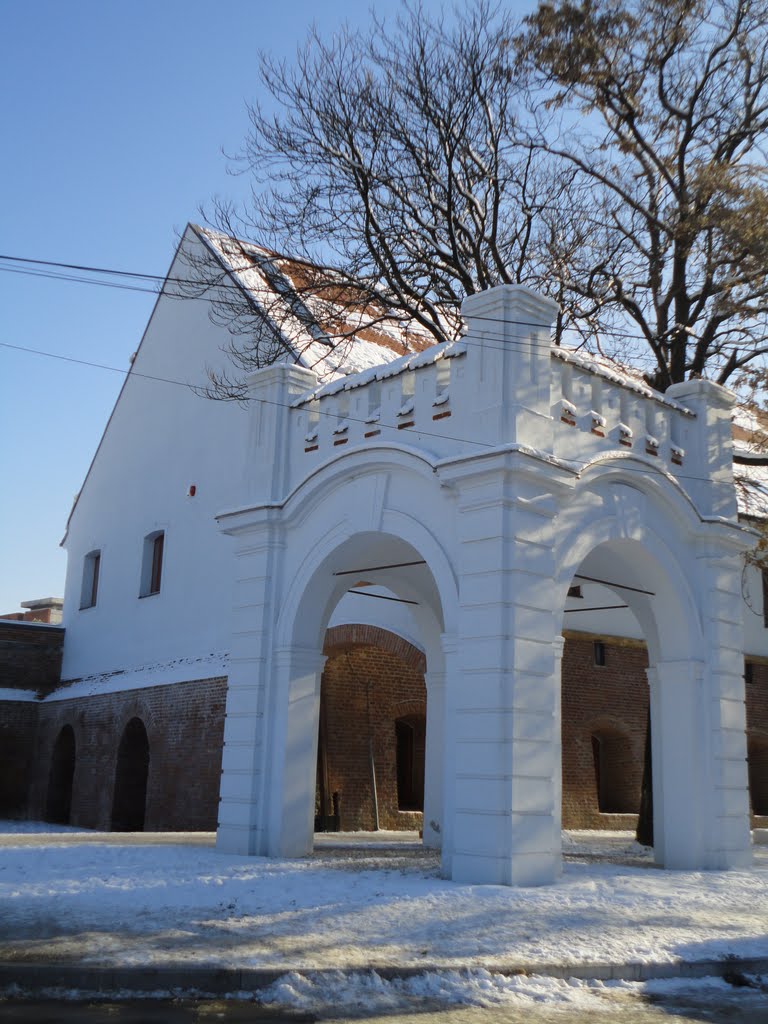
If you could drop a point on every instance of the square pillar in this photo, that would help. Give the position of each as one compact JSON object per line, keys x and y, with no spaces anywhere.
{"x":503,"y":682}
{"x":680,"y":776}
{"x":728,"y":840}
{"x":698,"y":730}
{"x":242,"y":822}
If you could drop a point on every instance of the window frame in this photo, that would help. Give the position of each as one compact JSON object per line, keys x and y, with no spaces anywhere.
{"x":152,"y":563}
{"x":89,"y":587}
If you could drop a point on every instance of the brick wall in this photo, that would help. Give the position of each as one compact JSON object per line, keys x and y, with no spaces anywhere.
{"x":30,"y":656}
{"x":611,"y":703}
{"x":371,"y":679}
{"x":184,"y":724}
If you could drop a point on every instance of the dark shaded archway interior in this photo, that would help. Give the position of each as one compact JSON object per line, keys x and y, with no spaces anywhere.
{"x":372,"y":730}
{"x":58,"y":809}
{"x":130,"y":798}
{"x":757,"y":761}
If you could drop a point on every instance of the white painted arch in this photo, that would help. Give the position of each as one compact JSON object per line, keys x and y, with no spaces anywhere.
{"x":501,"y":522}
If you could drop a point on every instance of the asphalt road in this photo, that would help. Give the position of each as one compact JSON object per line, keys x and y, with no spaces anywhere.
{"x":741,"y":1006}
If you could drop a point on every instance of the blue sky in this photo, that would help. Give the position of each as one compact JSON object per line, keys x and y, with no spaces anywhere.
{"x":114,"y":117}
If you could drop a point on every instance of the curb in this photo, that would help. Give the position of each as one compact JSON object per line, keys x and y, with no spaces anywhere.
{"x":219,"y":981}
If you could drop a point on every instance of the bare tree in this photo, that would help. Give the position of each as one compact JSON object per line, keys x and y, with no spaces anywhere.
{"x":663,"y":108}
{"x":390,"y":167}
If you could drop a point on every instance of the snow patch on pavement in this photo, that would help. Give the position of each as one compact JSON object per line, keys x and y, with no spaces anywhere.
{"x":159,"y":900}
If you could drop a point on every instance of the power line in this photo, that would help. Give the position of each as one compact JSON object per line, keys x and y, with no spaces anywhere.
{"x":506,"y":343}
{"x":239,"y":288}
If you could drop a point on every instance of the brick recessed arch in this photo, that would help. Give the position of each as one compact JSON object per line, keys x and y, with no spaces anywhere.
{"x":58,"y":808}
{"x":409,"y":708}
{"x":357,"y":635}
{"x":129,"y":802}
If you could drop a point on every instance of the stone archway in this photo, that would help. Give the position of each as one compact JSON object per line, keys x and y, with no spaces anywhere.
{"x":475,"y":495}
{"x":636,"y":538}
{"x":299,"y":568}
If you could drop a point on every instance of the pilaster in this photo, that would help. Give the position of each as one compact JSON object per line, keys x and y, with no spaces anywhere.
{"x":728,"y":836}
{"x":709,"y":446}
{"x":268,"y":459}
{"x":258,"y":556}
{"x":433,"y":775}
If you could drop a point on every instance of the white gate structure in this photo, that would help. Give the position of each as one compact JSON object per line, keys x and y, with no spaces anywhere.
{"x":475,"y":479}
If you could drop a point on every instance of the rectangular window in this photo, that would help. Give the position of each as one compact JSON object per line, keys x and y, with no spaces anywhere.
{"x":157,"y":564}
{"x":765,"y":598}
{"x":90,"y":585}
{"x":599,"y":649}
{"x":152,"y":563}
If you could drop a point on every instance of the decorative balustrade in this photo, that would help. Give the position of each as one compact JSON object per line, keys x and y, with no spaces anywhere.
{"x":598,"y":408}
{"x":408,"y":401}
{"x":502,"y":385}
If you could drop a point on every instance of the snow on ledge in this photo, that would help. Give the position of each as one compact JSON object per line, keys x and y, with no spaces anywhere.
{"x":180,"y":670}
{"x":6,"y":693}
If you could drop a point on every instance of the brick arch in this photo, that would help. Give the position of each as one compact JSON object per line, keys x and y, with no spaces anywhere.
{"x":614,"y":724}
{"x":339,"y":638}
{"x":130,"y":789}
{"x":62,"y":763}
{"x":136,"y":708}
{"x":123,"y":788}
{"x":406,"y":708}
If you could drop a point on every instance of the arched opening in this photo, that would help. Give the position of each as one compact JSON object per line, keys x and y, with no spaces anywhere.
{"x":58,"y":809}
{"x":618,"y":773}
{"x":370,"y":582}
{"x":372,"y":731}
{"x":131,"y":774}
{"x":410,"y":736}
{"x":757,"y":767}
{"x":634,"y":597}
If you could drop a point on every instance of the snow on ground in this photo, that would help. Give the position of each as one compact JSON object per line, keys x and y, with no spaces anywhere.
{"x":369,"y":995}
{"x":117,"y":900}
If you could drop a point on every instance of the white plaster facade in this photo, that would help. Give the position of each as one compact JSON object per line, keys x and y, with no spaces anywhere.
{"x":503,"y":469}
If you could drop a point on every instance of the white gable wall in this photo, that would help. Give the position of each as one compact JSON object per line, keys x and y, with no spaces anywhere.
{"x":161,"y":439}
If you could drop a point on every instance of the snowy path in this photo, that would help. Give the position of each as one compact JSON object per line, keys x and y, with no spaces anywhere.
{"x":102,"y":899}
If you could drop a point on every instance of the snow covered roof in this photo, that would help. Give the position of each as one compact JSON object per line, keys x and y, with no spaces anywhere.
{"x":302,"y":305}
